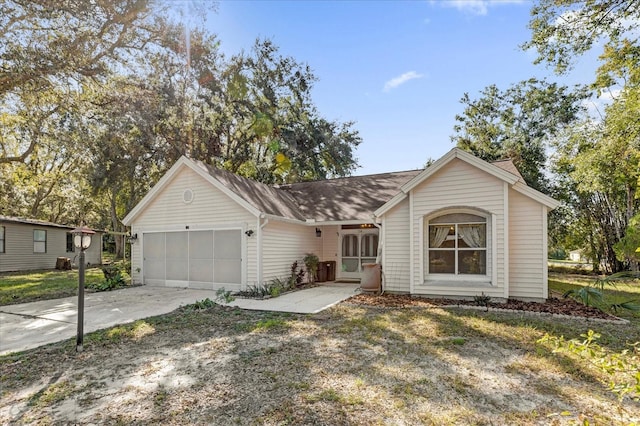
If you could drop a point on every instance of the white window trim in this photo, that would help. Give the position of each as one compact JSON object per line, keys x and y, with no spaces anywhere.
{"x":436,"y":279}
{"x":40,"y":241}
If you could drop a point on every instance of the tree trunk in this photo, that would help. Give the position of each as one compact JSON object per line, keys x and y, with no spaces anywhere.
{"x":117,"y":227}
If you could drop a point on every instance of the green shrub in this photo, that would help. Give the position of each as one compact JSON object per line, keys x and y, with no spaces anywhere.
{"x":204,"y":304}
{"x":113,"y":279}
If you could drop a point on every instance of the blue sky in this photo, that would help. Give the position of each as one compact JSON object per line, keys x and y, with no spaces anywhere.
{"x":398,"y":69}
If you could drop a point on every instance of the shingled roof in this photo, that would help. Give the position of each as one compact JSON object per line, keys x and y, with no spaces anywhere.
{"x":265,"y":198}
{"x":348,"y":198}
{"x":353,"y":198}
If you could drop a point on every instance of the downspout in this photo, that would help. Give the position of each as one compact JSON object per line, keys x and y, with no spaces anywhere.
{"x":379,"y":254}
{"x":261,"y":226}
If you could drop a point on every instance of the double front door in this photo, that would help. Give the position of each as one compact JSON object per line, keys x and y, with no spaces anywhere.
{"x":357,"y":247}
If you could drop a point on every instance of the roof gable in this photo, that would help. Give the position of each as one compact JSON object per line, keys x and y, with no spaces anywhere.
{"x":504,"y":170}
{"x":170,"y":175}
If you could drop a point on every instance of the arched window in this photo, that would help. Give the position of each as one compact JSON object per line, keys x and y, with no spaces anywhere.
{"x":457,"y":244}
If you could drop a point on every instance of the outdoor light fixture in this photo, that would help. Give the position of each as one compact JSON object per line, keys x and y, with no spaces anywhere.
{"x":133,"y":238}
{"x":248,"y":233}
{"x":318,"y":232}
{"x":82,"y":240}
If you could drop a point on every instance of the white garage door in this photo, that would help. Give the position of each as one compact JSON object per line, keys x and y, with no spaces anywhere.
{"x":197,"y":259}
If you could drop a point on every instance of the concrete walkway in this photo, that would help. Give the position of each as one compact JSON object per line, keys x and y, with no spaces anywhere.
{"x":30,"y":325}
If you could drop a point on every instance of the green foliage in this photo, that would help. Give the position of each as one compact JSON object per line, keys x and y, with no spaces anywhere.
{"x":297,"y":275}
{"x":563,"y":30}
{"x":121,"y":99}
{"x":311,"y":261}
{"x":273,"y":288}
{"x":622,"y":369}
{"x":113,"y":279}
{"x":482,"y":299}
{"x":518,"y":123}
{"x":204,"y":304}
{"x":595,"y":294}
{"x":588,"y":296}
{"x":626,"y":247}
{"x":224,"y":296}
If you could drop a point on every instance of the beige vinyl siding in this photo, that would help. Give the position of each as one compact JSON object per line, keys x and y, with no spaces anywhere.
{"x":460,"y":185}
{"x":396,"y":243}
{"x":526,"y":248}
{"x":19,"y":255}
{"x":330,"y":240}
{"x":210,"y":208}
{"x":284,"y":243}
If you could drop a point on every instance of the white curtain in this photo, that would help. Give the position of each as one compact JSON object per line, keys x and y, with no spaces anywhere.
{"x":437,"y":235}
{"x":472,"y":235}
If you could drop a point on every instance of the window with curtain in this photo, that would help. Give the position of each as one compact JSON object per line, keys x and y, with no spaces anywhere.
{"x":39,"y":241}
{"x":457,"y":244}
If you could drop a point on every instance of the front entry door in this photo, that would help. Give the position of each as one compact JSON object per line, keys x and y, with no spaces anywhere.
{"x":357,"y":247}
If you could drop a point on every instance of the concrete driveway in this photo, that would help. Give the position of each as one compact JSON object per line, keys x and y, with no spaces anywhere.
{"x":30,"y":325}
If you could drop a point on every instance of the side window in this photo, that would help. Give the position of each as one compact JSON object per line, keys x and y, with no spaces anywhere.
{"x":2,"y":231}
{"x":70,"y":246}
{"x":39,"y":241}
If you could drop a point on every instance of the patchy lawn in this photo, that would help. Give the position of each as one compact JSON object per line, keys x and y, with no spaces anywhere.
{"x":350,"y":365}
{"x":29,"y":286}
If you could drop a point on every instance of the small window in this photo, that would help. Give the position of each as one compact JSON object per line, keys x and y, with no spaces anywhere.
{"x":39,"y":241}
{"x":70,"y":246}
{"x":1,"y":239}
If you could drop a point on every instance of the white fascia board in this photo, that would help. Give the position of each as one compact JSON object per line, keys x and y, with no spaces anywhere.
{"x":397,"y":199}
{"x":164,"y":180}
{"x":536,"y":195}
{"x":467,"y":158}
{"x":287,"y":220}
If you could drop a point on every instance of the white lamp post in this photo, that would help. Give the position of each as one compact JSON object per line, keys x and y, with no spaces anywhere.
{"x":82,"y":240}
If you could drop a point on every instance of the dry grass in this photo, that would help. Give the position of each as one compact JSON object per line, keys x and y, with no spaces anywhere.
{"x":350,"y":365}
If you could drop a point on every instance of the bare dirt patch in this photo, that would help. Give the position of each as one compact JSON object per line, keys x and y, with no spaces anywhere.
{"x":350,"y":365}
{"x":551,"y":306}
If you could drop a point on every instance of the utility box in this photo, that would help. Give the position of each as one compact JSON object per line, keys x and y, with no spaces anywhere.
{"x":371,"y":277}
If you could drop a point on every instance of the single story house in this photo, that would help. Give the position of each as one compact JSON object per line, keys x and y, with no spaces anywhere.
{"x":578,"y":256}
{"x":27,"y":244}
{"x":459,"y":228}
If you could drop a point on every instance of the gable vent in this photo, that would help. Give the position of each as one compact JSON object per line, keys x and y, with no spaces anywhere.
{"x":187,"y":196}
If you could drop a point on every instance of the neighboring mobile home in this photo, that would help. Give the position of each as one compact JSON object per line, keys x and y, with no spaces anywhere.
{"x":459,"y":228}
{"x":27,"y":244}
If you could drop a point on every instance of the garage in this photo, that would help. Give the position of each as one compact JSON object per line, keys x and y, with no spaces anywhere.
{"x":205,"y":259}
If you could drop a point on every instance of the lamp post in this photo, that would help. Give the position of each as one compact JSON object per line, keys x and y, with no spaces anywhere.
{"x":81,"y":240}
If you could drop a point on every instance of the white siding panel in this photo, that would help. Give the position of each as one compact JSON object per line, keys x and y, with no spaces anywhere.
{"x":396,"y":248}
{"x":459,"y":184}
{"x":19,"y":255}
{"x":284,"y":243}
{"x":526,"y":251}
{"x":210,"y":209}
